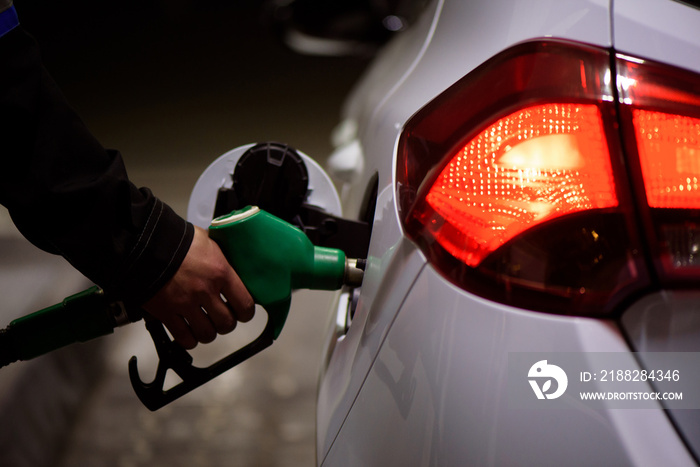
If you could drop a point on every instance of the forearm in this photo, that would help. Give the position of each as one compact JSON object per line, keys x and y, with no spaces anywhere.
{"x":69,"y":195}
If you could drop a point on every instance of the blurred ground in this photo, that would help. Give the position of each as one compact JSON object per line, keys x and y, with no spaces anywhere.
{"x":173,"y":85}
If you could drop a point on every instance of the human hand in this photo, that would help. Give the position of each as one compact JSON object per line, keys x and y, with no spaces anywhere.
{"x":203,"y":298}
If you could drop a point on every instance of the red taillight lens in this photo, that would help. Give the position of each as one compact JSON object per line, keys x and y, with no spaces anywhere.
{"x":662,"y":110}
{"x":512,"y":183}
{"x":669,"y":153}
{"x":534,"y":165}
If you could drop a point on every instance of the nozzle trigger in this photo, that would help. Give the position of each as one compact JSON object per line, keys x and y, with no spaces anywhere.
{"x":171,"y":356}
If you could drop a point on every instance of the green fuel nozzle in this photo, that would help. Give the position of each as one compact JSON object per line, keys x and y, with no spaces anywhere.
{"x":272,"y":258}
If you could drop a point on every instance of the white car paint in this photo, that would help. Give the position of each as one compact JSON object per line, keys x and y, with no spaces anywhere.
{"x":663,"y":30}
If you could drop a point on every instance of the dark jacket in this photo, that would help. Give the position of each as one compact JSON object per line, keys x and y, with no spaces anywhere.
{"x":70,"y":196}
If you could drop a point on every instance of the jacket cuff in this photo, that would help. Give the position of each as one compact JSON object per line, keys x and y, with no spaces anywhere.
{"x":157,"y":255}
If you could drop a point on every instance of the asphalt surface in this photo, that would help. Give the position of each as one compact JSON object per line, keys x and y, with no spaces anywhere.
{"x":172,"y":85}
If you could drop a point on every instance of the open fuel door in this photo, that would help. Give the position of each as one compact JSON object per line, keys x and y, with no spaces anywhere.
{"x":284,"y":182}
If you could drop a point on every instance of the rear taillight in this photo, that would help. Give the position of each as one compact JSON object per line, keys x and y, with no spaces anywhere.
{"x":514,"y":184}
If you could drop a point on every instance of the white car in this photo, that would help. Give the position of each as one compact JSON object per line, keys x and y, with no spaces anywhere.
{"x":530,"y":169}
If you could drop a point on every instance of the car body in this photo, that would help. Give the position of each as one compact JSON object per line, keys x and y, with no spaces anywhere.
{"x":415,"y":367}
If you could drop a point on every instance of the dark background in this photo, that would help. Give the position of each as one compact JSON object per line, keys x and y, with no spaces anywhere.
{"x":180,"y":82}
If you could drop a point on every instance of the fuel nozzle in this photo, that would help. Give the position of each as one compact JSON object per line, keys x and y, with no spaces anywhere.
{"x":273,"y":257}
{"x":354,"y":272}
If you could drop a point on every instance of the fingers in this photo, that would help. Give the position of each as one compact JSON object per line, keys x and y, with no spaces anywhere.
{"x":232,"y":305}
{"x":213,"y":313}
{"x":221,"y":316}
{"x":201,"y":325}
{"x":238,"y":300}
{"x":181,"y":332}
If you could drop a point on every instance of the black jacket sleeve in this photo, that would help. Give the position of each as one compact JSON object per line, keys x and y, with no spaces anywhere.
{"x":70,"y":196}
